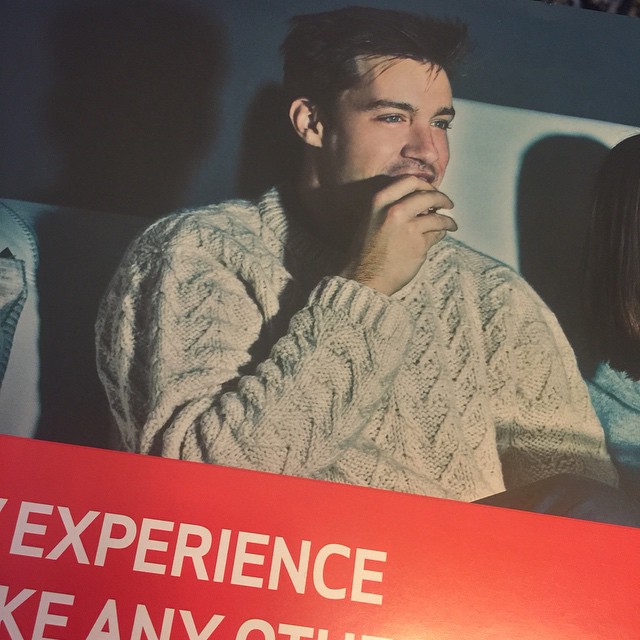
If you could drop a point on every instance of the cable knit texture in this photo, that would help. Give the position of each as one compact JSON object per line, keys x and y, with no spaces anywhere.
{"x":225,"y":338}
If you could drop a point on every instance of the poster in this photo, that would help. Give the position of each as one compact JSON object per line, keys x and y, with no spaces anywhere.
{"x":115,"y":550}
{"x":543,"y":82}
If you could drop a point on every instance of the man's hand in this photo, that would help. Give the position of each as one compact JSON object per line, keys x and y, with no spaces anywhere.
{"x":392,"y":241}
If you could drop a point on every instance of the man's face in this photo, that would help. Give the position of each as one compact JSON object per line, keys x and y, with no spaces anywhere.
{"x":393,"y":123}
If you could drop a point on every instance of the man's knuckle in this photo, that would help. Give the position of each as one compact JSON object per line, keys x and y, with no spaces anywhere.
{"x":394,"y":212}
{"x":377,"y":201}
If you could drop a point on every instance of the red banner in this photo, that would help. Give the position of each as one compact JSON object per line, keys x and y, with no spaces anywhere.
{"x":101,"y":545}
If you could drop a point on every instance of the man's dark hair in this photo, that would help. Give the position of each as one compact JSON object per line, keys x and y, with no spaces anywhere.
{"x":613,"y":254}
{"x":321,"y":50}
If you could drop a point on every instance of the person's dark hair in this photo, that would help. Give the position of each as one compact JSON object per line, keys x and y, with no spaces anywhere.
{"x":613,"y":260}
{"x":320,"y":50}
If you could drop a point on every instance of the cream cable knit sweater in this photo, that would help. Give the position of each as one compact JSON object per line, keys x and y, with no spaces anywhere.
{"x":222,"y":339}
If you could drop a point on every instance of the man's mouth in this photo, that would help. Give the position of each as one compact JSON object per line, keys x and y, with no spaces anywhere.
{"x":427,"y":176}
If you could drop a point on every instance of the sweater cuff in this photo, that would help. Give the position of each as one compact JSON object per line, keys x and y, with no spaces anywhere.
{"x":364,"y":307}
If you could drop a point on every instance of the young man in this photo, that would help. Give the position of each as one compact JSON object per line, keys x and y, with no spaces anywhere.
{"x":333,"y":330}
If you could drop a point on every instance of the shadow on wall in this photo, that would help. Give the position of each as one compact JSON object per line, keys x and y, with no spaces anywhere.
{"x":553,"y":209}
{"x":134,"y":102}
{"x":79,"y":253}
{"x":270,"y":152}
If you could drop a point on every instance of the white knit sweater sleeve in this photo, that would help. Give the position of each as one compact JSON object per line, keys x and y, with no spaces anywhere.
{"x":545,"y":424}
{"x":176,"y":335}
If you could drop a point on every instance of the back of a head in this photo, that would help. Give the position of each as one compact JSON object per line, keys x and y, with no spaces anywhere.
{"x":321,"y":50}
{"x":613,"y":254}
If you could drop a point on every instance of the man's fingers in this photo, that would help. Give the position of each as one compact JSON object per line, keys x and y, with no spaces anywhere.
{"x":423,"y":202}
{"x":434,"y":222}
{"x":417,"y":204}
{"x":407,"y":187}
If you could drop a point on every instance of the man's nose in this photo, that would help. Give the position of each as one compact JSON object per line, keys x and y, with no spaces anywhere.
{"x":420,"y":144}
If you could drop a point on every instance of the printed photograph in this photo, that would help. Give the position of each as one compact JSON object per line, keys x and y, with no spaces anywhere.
{"x":385,"y":244}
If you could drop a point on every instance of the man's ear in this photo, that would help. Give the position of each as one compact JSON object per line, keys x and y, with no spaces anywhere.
{"x":305,"y":118}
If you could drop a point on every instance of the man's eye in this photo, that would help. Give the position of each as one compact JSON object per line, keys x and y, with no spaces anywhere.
{"x":441,"y":124}
{"x":391,"y":118}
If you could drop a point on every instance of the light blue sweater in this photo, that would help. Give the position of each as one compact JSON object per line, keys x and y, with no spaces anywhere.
{"x":616,"y":399}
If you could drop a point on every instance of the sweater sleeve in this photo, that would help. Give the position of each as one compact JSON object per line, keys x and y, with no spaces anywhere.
{"x":545,"y":423}
{"x":176,"y":336}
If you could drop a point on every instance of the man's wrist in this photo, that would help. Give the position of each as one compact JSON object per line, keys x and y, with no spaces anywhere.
{"x":366,"y":278}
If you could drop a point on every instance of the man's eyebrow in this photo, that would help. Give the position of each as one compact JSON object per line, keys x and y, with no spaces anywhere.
{"x":389,"y":104}
{"x":405,"y":106}
{"x":445,"y":111}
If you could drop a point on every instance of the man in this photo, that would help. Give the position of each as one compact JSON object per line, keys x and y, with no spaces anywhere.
{"x":333,"y":330}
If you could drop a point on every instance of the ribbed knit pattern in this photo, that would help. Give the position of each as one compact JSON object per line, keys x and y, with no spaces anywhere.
{"x":616,"y":398}
{"x":225,"y":338}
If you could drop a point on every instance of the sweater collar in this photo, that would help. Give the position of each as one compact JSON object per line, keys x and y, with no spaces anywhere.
{"x":300,"y":246}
